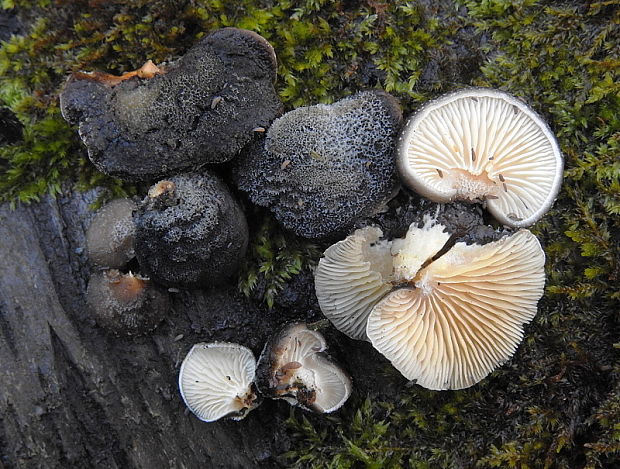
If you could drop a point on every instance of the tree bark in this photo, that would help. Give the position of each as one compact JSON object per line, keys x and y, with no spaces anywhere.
{"x":73,"y":396}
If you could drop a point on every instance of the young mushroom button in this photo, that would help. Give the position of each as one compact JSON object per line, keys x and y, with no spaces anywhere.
{"x":483,"y":144}
{"x":126,"y":304}
{"x":216,"y":381}
{"x":110,"y":236}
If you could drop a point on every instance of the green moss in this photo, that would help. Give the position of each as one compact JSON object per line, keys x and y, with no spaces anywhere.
{"x":274,"y":257}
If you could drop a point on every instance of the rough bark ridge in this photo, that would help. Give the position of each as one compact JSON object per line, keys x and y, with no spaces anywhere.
{"x":72,"y":396}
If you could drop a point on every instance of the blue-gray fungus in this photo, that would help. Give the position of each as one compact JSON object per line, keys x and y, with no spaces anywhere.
{"x":322,"y":167}
{"x":156,"y":121}
{"x":190,"y":232}
{"x":126,"y":304}
{"x":110,"y":236}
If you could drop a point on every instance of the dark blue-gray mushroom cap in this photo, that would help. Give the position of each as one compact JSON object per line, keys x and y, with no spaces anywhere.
{"x":322,"y":167}
{"x":190,"y":232}
{"x":202,"y":108}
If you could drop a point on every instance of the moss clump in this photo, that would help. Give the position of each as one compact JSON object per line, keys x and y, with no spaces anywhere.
{"x":274,"y":257}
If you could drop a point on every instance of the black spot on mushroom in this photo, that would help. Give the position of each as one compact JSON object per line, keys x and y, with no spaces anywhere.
{"x":339,"y":163}
{"x":190,"y":232}
{"x":126,"y":304}
{"x":200,"y":109}
{"x":110,"y":236}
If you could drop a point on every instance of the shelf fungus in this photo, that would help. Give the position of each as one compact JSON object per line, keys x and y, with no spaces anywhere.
{"x":294,"y":367}
{"x":126,"y":304}
{"x":483,"y":145}
{"x":190,"y":232}
{"x":110,"y":236}
{"x":156,"y":121}
{"x":217,"y":381}
{"x":320,"y":168}
{"x":444,"y":312}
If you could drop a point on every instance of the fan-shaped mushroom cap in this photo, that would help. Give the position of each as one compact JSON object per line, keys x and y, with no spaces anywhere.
{"x":465,"y":315}
{"x":216,"y":379}
{"x":480,"y":144}
{"x":353,"y":275}
{"x":357,"y":272}
{"x":293,"y":367}
{"x":110,"y":236}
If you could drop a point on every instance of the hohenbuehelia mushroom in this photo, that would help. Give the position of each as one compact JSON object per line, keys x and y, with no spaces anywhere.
{"x":453,"y":312}
{"x":216,"y":381}
{"x":190,"y":232}
{"x":294,"y":367}
{"x":110,"y":236}
{"x":483,"y":144}
{"x":322,"y":167}
{"x":126,"y":304}
{"x":202,"y":108}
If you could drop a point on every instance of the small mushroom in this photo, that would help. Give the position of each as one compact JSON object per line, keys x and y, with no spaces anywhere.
{"x":190,"y":232}
{"x":110,"y":236}
{"x":462,"y":315}
{"x":483,"y":144}
{"x":338,"y":161}
{"x":126,"y":304}
{"x":216,"y":381}
{"x":293,"y":367}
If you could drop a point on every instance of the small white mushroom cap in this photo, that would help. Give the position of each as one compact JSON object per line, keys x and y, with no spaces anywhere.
{"x":465,"y":315}
{"x":483,"y":144}
{"x":216,"y":379}
{"x":300,"y":373}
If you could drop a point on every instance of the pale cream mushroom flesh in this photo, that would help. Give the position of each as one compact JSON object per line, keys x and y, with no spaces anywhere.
{"x":216,"y":381}
{"x":483,"y":144}
{"x":450,"y":312}
{"x":356,"y":273}
{"x":463,"y":314}
{"x":296,"y":369}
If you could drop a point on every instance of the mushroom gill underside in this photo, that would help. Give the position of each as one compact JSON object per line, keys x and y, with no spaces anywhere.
{"x":463,"y":314}
{"x":301,"y":373}
{"x":216,"y":379}
{"x":483,"y":145}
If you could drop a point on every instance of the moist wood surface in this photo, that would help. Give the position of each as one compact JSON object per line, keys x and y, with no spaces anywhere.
{"x":73,"y":396}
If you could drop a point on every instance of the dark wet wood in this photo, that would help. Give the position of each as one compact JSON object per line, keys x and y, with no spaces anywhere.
{"x":72,"y":395}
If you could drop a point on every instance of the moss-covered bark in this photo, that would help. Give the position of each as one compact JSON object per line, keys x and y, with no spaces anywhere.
{"x":556,"y":404}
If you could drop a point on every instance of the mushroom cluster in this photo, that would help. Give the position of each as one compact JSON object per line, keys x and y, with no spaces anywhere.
{"x":121,"y":302}
{"x":447,"y":307}
{"x":444,"y":313}
{"x":446,"y":303}
{"x":219,"y":380}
